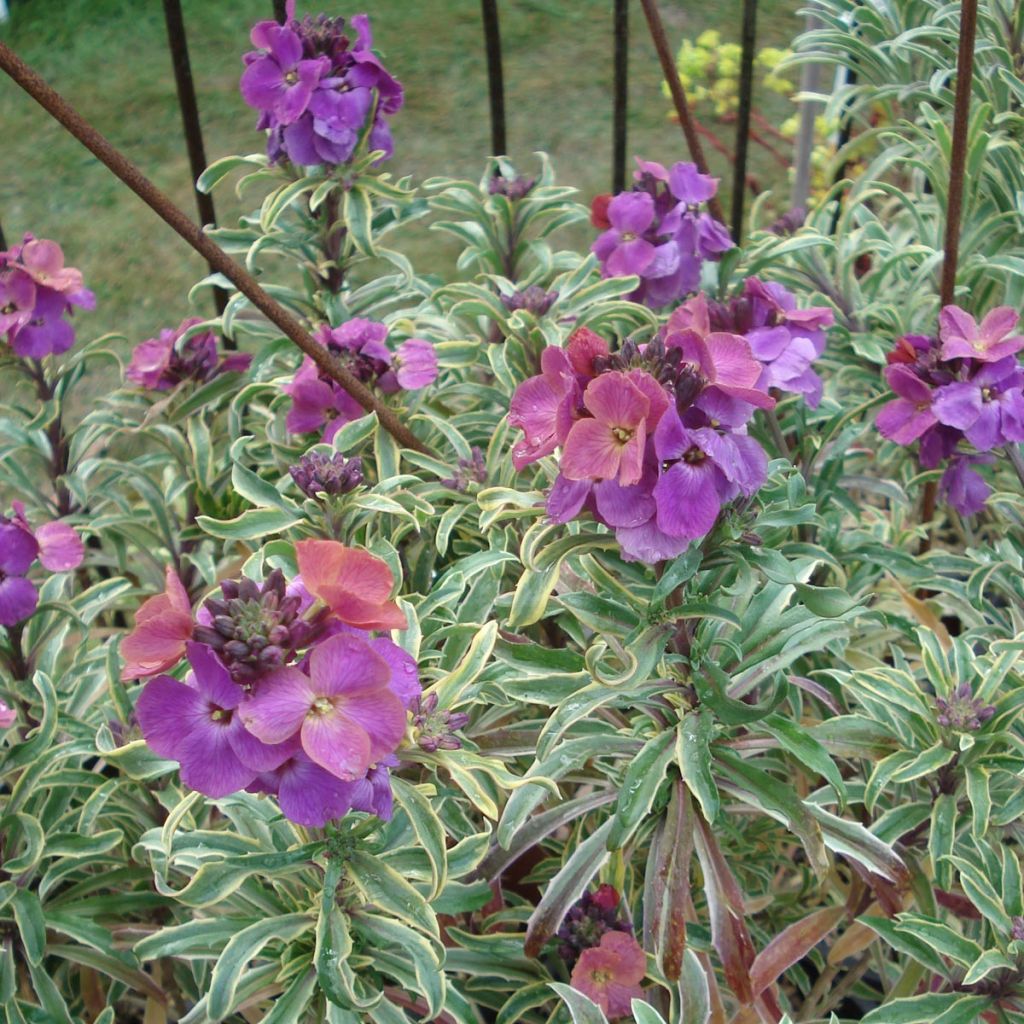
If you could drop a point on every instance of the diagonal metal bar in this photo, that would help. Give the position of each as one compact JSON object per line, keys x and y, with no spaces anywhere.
{"x":178,"y":41}
{"x":58,"y":108}
{"x":620,"y":111}
{"x":495,"y":78}
{"x":686,"y":121}
{"x":746,"y":101}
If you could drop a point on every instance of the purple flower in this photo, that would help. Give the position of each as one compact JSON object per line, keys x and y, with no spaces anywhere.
{"x":161,"y":363}
{"x":18,"y":550}
{"x":345,"y":711}
{"x":276,"y":78}
{"x":963,"y":338}
{"x":317,"y":473}
{"x":963,"y":486}
{"x":588,"y":920}
{"x":197,"y":724}
{"x":622,"y":249}
{"x":319,"y":93}
{"x":704,"y":470}
{"x":46,"y":331}
{"x":988,"y":408}
{"x":415,"y":364}
{"x":907,"y":417}
{"x":17,"y":298}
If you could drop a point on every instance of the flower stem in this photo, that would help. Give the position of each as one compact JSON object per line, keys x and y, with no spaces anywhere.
{"x":1013,"y":452}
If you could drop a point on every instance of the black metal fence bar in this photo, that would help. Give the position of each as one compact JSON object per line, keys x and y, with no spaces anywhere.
{"x":746,"y":100}
{"x":3,"y":241}
{"x":495,"y":79}
{"x":178,"y":43}
{"x":621,"y":94}
{"x":280,"y":15}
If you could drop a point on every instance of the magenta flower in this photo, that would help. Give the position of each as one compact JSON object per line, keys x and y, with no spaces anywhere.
{"x":345,"y":711}
{"x":17,"y":298}
{"x":542,"y":408}
{"x":988,"y":408}
{"x":704,"y":470}
{"x":610,"y":974}
{"x":197,"y":724}
{"x":610,"y":445}
{"x":46,"y":331}
{"x":622,"y":249}
{"x":907,"y":417}
{"x":318,"y":404}
{"x":8,"y":716}
{"x":43,"y":261}
{"x":963,"y":338}
{"x":60,"y":547}
{"x":276,"y":78}
{"x":18,"y":550}
{"x":162,"y":363}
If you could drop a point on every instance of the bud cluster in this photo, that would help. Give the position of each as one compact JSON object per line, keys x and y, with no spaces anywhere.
{"x":317,"y":473}
{"x":435,"y":727}
{"x":591,"y":917}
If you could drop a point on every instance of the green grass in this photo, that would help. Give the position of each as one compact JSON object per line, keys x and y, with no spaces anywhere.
{"x":110,"y":59}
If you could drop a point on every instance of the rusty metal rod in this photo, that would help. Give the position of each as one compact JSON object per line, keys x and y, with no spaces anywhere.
{"x":958,"y":154}
{"x":746,"y":101}
{"x":620,"y":109}
{"x":58,"y":108}
{"x":178,"y":42}
{"x":671,"y":73}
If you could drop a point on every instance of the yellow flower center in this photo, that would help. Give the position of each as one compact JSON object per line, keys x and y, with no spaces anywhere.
{"x":622,"y":434}
{"x":320,"y":707}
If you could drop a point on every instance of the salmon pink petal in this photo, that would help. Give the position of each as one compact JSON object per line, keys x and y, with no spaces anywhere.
{"x":615,"y":400}
{"x":583,"y":348}
{"x":591,"y":452}
{"x":60,"y":547}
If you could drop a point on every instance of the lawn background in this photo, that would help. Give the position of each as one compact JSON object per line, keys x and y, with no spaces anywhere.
{"x":110,"y":59}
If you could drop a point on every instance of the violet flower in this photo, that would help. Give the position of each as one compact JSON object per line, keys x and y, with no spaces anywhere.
{"x":162,"y":363}
{"x":197,"y":724}
{"x":908,"y":416}
{"x":277,"y":79}
{"x":963,"y":486}
{"x":345,"y":711}
{"x":988,"y":407}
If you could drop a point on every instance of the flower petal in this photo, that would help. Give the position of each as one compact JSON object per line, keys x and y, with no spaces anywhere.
{"x":18,"y":599}
{"x":60,"y":547}
{"x":279,"y":705}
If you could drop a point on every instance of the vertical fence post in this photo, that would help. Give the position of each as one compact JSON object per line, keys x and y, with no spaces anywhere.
{"x":746,"y":101}
{"x":280,"y":15}
{"x":686,"y":121}
{"x":495,"y":80}
{"x":621,"y":101}
{"x":3,"y":241}
{"x":809,"y":78}
{"x":190,"y":121}
{"x":954,"y":201}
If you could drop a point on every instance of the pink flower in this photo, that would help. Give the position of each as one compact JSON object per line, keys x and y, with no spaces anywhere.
{"x":354,"y":584}
{"x":542,"y":408}
{"x":610,"y":974}
{"x":962,"y":337}
{"x":907,"y":417}
{"x":346,"y":713}
{"x":163,"y":626}
{"x":610,"y":445}
{"x":60,"y":547}
{"x":8,"y":716}
{"x":415,"y":364}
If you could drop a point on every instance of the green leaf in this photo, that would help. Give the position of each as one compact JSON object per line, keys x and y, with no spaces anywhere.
{"x":242,"y":948}
{"x":566,"y":888}
{"x":384,"y":887}
{"x":981,"y":799}
{"x":930,"y":1008}
{"x":582,"y":1009}
{"x":989,"y":961}
{"x":429,"y":831}
{"x":826,"y":602}
{"x":250,"y":525}
{"x":640,"y":786}
{"x":452,"y":687}
{"x":693,"y":755}
{"x":805,"y":748}
{"x":28,"y":916}
{"x":644,"y":1013}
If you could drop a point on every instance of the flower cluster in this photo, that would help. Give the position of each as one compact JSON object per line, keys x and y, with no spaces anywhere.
{"x":55,"y":545}
{"x":963,"y":712}
{"x":653,"y":437}
{"x":657,"y":231}
{"x":160,"y":364}
{"x":317,"y":473}
{"x":37,"y":293}
{"x":957,"y":395}
{"x":320,"y":403}
{"x":588,"y":920}
{"x":318,"y":91}
{"x":288,"y":692}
